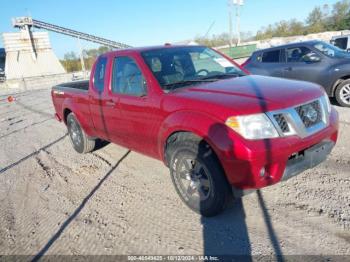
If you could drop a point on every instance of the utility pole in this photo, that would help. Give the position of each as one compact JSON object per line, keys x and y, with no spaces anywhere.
{"x":229,"y":7}
{"x":81,"y":56}
{"x":238,"y":4}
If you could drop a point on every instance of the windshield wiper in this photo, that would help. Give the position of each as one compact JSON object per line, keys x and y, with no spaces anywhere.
{"x":222,"y":76}
{"x":186,"y":82}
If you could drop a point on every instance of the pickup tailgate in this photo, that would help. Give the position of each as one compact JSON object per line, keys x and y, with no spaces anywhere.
{"x":76,"y":92}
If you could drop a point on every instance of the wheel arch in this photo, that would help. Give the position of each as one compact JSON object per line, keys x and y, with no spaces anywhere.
{"x":179,"y":134}
{"x":199,"y":126}
{"x":338,"y":82}
{"x":66,"y":112}
{"x":69,"y":108}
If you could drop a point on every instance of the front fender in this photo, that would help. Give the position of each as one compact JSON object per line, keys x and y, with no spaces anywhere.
{"x":213,"y":131}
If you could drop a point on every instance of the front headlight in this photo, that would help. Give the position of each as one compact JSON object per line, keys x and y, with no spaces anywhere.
{"x":256,"y":126}
{"x":327,"y":102}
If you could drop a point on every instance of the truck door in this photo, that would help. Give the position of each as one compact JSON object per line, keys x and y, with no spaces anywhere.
{"x":136,"y":125}
{"x":100,"y":102}
{"x":298,"y":67}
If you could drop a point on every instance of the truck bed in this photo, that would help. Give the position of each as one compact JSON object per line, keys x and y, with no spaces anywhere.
{"x":80,"y":85}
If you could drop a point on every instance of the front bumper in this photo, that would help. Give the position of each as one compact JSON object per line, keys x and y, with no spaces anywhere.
{"x":257,"y":164}
{"x":310,"y":158}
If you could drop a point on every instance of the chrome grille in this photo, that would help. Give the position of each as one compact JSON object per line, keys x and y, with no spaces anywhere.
{"x":302,"y":120}
{"x":310,"y":114}
{"x":282,"y":122}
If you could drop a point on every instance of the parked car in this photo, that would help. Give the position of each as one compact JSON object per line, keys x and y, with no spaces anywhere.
{"x":221,"y":131}
{"x":2,"y":75}
{"x":341,"y":41}
{"x":313,"y":61}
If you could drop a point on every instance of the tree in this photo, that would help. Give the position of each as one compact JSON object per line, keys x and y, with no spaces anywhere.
{"x":70,"y":56}
{"x":320,"y":19}
{"x":71,"y":61}
{"x":296,"y":27}
{"x":341,"y":15}
{"x":315,"y":21}
{"x":282,"y":28}
{"x":214,"y":40}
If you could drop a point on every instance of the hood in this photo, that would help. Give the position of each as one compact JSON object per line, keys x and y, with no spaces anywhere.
{"x":253,"y":94}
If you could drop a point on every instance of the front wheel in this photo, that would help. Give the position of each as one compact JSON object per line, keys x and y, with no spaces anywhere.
{"x":198,"y":177}
{"x":80,"y":141}
{"x":342,"y":93}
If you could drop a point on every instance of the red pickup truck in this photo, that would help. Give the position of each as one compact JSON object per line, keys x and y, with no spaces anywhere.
{"x":221,"y":131}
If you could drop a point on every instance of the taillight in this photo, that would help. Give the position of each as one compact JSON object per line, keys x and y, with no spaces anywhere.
{"x":246,"y":62}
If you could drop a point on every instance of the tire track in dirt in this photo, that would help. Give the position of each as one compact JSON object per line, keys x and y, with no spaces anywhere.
{"x":28,"y":126}
{"x":21,"y":115}
{"x":102,"y":158}
{"x":32,"y":109}
{"x":58,"y":233}
{"x":22,"y":94}
{"x":344,"y":123}
{"x":8,"y":225}
{"x":32,"y":154}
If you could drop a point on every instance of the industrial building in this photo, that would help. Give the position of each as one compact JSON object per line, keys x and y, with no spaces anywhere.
{"x":30,"y":56}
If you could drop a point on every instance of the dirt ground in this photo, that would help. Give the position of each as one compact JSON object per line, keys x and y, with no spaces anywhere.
{"x":112,"y":201}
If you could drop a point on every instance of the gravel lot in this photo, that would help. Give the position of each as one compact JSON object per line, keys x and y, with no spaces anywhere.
{"x":112,"y":201}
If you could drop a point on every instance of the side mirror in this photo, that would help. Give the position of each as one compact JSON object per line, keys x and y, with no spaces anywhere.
{"x":311,"y":58}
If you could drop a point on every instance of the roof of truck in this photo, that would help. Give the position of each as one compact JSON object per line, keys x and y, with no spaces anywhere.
{"x":148,"y":48}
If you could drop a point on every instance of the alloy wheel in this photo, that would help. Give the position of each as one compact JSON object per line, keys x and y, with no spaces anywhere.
{"x":345,"y":94}
{"x":193,"y":179}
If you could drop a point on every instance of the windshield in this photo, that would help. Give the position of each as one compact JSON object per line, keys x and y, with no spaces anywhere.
{"x":331,"y":50}
{"x":182,"y":66}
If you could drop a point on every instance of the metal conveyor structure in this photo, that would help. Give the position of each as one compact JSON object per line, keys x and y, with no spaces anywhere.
{"x":27,"y":22}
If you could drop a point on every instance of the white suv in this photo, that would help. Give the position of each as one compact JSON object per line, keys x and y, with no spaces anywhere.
{"x":341,"y":41}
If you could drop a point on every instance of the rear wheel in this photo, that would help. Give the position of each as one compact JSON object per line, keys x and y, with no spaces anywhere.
{"x":80,"y":141}
{"x":198,"y":176}
{"x":342,"y":93}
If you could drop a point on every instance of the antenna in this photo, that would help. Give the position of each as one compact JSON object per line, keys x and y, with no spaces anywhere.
{"x":209,"y":29}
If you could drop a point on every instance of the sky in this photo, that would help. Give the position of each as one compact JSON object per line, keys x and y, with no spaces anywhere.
{"x":152,"y":22}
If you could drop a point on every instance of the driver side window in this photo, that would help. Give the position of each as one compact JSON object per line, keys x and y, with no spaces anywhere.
{"x":297,"y":54}
{"x":127,"y":77}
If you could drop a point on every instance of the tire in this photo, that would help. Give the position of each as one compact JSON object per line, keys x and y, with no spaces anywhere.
{"x":342,"y":93}
{"x":191,"y":160}
{"x":80,"y":141}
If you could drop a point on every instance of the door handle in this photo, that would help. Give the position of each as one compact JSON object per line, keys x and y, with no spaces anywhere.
{"x":288,"y":68}
{"x":110,"y":103}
